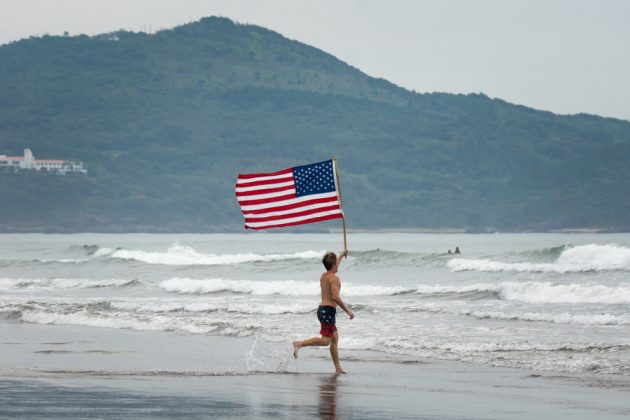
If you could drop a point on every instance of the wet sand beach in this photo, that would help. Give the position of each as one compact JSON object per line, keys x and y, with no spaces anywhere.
{"x":79,"y":372}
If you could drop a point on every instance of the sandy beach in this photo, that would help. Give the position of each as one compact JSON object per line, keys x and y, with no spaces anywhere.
{"x":72,"y":372}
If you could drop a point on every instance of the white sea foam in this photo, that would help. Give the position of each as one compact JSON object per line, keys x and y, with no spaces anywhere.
{"x":60,"y":283}
{"x":559,"y":318}
{"x":426,"y":289}
{"x":441,"y":349}
{"x":508,"y":346}
{"x":266,"y":356}
{"x":360,"y":343}
{"x":546,"y":292}
{"x":135,"y":322}
{"x":532,"y":292}
{"x":243,"y":307}
{"x":581,"y":258}
{"x":99,"y":253}
{"x":463,"y":264}
{"x":65,"y":260}
{"x":284,"y":287}
{"x":393,"y":344}
{"x":551,"y":356}
{"x":597,"y":257}
{"x":102,"y":252}
{"x":184,"y":255}
{"x":542,"y":292}
{"x":556,"y":318}
{"x":215,"y":285}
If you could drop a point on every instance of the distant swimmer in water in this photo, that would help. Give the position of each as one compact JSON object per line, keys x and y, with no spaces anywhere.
{"x":449,"y":251}
{"x":330,"y":285}
{"x":457,"y":250}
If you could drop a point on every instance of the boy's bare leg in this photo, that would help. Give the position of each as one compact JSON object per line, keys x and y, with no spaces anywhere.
{"x":315,"y":341}
{"x":334,"y":353}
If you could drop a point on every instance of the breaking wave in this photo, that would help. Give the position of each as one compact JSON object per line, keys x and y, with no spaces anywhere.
{"x":189,"y":306}
{"x":245,"y":307}
{"x":138,"y":322}
{"x":60,"y":283}
{"x":384,"y":257}
{"x":555,"y":318}
{"x":559,"y":355}
{"x":531,"y":292}
{"x":581,"y":258}
{"x":468,"y":348}
{"x":559,"y":318}
{"x":546,"y":292}
{"x":184,"y":255}
{"x":526,"y":291}
{"x":540,"y":292}
{"x":285,"y":287}
{"x":546,"y":254}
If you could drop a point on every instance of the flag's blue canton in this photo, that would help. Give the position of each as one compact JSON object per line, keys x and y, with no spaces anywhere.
{"x":315,"y":178}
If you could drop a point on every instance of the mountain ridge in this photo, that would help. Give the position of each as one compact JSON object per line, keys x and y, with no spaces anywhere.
{"x":164,"y":122}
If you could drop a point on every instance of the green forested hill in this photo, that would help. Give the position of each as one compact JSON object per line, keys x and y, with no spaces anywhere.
{"x":164,"y":123}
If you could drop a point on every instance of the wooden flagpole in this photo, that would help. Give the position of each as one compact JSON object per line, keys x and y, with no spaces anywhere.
{"x":343,"y":219}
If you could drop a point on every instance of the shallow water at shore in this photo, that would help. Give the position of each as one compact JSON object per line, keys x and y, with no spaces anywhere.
{"x":552,"y":302}
{"x":69,"y":371}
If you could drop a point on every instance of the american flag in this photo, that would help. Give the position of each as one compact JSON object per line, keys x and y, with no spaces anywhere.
{"x":294,"y":196}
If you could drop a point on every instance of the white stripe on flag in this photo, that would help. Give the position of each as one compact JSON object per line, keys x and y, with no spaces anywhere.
{"x":268,"y":195}
{"x":292,"y":219}
{"x":264,"y":187}
{"x":291,"y":211}
{"x":264,"y":178}
{"x":288,"y":202}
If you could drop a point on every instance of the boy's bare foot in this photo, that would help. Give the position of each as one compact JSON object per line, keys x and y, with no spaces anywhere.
{"x":340,"y":371}
{"x":296,"y":348}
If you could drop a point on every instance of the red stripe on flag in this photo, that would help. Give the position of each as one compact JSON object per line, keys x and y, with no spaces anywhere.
{"x":250,"y":176}
{"x":267,"y":200}
{"x":265,"y":191}
{"x":264,"y":182}
{"x":293,"y":206}
{"x":291,"y":215}
{"x":302,"y":222}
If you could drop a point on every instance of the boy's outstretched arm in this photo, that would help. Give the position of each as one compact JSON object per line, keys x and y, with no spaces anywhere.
{"x":342,"y":254}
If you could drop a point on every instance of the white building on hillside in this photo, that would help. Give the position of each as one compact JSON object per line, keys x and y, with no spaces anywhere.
{"x":28,"y":162}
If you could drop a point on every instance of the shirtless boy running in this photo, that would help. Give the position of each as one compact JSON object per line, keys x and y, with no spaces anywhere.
{"x":330,"y":285}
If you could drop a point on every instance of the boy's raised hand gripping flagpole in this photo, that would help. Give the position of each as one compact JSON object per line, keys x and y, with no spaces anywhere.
{"x":294,"y":196}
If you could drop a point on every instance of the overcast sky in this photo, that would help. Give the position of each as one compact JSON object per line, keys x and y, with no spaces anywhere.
{"x":565,"y":56}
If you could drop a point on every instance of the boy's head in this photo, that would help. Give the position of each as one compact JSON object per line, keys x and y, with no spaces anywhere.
{"x":329,"y":260}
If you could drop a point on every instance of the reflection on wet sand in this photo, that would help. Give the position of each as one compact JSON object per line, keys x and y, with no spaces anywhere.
{"x":328,"y":397}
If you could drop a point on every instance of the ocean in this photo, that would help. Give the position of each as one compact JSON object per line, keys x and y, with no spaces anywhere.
{"x":547,"y":302}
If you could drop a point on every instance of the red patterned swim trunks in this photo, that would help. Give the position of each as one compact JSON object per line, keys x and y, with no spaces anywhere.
{"x":326,"y":315}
